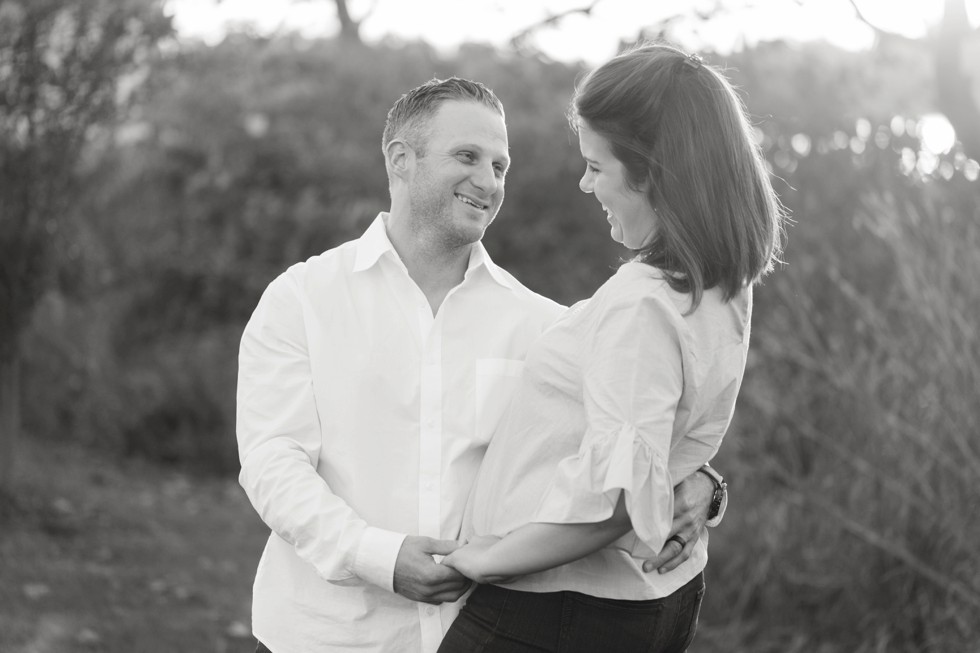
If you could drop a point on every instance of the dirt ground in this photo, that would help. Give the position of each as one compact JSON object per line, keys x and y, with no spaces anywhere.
{"x":119,"y":556}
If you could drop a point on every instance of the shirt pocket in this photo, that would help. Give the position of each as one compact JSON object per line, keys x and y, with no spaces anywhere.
{"x":496,"y":381}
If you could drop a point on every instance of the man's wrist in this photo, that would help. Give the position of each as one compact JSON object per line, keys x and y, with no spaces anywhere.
{"x":376,"y":554}
{"x":719,"y":500}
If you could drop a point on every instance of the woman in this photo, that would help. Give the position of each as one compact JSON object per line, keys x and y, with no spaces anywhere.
{"x":632,"y":389}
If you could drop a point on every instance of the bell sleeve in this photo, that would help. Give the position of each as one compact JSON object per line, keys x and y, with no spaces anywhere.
{"x":632,"y":384}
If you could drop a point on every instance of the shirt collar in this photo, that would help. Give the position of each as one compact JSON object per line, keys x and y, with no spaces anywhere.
{"x":479,"y":258}
{"x":375,"y":243}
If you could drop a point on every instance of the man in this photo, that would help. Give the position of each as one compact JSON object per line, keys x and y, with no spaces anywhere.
{"x":371,"y":378}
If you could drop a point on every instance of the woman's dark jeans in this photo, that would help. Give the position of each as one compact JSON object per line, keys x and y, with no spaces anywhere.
{"x":496,"y":619}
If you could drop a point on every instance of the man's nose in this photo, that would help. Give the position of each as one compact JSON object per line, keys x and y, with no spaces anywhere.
{"x":486,"y":178}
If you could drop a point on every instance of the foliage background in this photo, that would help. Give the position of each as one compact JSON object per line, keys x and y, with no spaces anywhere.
{"x":855,"y":449}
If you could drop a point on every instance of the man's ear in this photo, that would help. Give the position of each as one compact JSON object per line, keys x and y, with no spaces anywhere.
{"x":400,"y":158}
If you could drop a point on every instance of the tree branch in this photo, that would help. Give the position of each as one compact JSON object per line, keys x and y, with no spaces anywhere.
{"x":879,"y":31}
{"x":519,"y":40}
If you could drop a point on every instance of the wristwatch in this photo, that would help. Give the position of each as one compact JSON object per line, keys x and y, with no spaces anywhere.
{"x":719,"y":501}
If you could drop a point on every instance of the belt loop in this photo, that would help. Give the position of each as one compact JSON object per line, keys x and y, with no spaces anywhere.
{"x":567,"y":614}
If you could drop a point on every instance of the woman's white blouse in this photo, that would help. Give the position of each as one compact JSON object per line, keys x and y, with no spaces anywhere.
{"x":623,"y":393}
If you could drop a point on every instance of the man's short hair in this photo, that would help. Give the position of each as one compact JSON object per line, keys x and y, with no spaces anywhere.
{"x":410,"y":115}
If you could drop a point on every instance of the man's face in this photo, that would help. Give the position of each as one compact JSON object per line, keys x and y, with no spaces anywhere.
{"x":458,"y":185}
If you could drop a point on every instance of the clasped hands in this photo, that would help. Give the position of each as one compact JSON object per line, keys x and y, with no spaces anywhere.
{"x":419,"y":576}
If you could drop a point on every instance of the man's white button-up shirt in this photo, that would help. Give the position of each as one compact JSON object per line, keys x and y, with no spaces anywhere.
{"x":362,"y":418}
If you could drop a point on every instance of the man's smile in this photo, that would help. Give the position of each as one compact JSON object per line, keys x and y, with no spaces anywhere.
{"x":466,"y":199}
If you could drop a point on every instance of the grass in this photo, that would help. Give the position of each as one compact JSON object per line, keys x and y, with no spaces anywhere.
{"x":106,"y":555}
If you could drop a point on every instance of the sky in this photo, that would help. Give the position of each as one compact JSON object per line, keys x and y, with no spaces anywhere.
{"x":447,"y":23}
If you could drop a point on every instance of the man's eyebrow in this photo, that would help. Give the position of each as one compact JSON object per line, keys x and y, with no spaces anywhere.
{"x":464,"y":145}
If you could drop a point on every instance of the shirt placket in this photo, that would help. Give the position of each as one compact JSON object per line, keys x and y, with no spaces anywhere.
{"x":430,"y":456}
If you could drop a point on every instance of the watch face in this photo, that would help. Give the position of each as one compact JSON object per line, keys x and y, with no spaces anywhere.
{"x":715,"y":505}
{"x":717,"y":500}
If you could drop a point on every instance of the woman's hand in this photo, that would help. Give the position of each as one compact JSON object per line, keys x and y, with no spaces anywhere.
{"x":475,"y":560}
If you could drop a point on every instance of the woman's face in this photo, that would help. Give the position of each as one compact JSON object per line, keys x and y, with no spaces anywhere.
{"x":628,"y":211}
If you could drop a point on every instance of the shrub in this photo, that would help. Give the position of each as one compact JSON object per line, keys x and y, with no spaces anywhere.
{"x":856,"y":453}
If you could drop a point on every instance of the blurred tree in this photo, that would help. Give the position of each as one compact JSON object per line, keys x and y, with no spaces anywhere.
{"x":350,"y":29}
{"x":61,"y":67}
{"x":954,"y":68}
{"x":948,"y":50}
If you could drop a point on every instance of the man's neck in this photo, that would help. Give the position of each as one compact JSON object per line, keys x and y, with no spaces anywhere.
{"x":437,"y":277}
{"x":435,"y":268}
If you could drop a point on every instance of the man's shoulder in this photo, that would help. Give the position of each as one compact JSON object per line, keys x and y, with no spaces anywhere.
{"x":529,"y":298}
{"x":332,"y":261}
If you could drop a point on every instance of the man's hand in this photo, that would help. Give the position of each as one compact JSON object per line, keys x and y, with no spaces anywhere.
{"x":692,"y":499}
{"x":420,"y":578}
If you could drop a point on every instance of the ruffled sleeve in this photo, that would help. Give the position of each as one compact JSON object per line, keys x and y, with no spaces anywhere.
{"x":632,"y":384}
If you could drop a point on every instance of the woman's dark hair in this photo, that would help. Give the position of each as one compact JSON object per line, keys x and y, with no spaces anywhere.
{"x":681,"y":132}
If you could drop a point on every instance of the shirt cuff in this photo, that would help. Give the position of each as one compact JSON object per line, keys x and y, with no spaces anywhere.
{"x":376,"y":555}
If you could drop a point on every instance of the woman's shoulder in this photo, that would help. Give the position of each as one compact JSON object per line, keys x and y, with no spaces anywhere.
{"x":635,"y":277}
{"x":638,"y":291}
{"x":637,"y":283}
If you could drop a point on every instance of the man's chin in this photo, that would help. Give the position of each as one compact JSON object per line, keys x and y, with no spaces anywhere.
{"x":474,"y":225}
{"x":467,"y":234}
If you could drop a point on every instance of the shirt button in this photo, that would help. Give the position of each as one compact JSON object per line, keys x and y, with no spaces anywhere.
{"x":431,"y":610}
